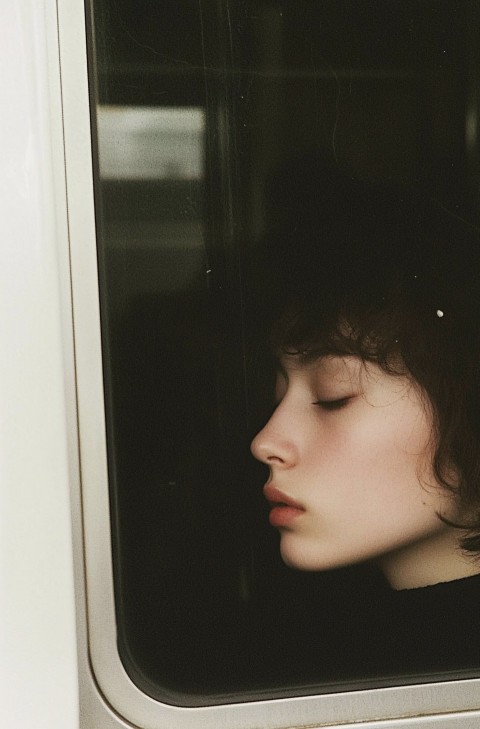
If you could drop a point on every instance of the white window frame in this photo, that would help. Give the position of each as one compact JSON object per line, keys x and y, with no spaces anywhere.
{"x":109,"y":698}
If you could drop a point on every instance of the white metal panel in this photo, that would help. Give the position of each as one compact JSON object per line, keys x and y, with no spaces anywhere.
{"x":38,"y":670}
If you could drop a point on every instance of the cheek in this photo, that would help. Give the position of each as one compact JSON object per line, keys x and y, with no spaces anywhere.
{"x":396,"y":439}
{"x":383,"y":463}
{"x":401,"y":495}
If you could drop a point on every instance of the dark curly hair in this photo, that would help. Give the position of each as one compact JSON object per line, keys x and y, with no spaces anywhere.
{"x":386,"y":274}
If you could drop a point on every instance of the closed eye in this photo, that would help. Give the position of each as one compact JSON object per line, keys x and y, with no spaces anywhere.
{"x":337,"y":404}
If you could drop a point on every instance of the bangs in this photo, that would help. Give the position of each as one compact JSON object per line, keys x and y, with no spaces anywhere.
{"x":373,"y":337}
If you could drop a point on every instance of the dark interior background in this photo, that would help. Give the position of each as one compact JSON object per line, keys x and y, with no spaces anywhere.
{"x":386,"y":90}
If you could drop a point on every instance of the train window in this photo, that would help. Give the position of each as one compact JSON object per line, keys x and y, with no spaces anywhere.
{"x":286,"y":201}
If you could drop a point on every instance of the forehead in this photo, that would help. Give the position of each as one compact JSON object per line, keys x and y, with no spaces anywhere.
{"x":346,"y":371}
{"x":328,"y":366}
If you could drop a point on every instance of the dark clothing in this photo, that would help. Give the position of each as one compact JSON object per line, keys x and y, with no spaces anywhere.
{"x":424,"y":631}
{"x":437,"y":628}
{"x":364,"y":630}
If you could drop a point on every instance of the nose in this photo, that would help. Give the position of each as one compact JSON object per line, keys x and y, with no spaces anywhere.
{"x":273,"y":444}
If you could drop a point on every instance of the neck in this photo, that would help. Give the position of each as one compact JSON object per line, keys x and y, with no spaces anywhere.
{"x":428,"y":562}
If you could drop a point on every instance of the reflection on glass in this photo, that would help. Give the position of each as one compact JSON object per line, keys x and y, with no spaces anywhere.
{"x":210,"y":120}
{"x":151,"y":163}
{"x":150,"y":143}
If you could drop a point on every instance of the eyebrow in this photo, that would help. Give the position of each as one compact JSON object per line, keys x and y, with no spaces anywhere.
{"x":306,"y":358}
{"x":302,"y":359}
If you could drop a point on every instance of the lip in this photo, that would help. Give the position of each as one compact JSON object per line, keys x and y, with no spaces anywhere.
{"x":284,"y":510}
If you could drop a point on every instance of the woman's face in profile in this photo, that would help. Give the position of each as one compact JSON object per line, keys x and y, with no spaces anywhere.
{"x":349,"y":448}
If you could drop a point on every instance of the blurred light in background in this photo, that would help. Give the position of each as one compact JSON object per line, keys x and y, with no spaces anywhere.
{"x":151,"y":143}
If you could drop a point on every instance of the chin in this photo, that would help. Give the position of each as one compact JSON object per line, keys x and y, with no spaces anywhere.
{"x":312,"y":558}
{"x":300,"y":557}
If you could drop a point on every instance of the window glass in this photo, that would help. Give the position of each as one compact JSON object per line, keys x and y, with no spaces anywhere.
{"x":286,"y":201}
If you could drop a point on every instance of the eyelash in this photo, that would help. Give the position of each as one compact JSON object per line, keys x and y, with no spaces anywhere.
{"x":331,"y":405}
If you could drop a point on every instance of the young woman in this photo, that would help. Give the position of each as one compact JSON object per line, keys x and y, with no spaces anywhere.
{"x":373,"y":449}
{"x":350,"y":450}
